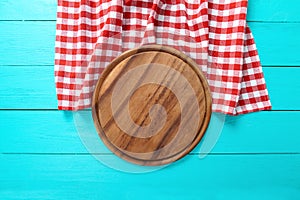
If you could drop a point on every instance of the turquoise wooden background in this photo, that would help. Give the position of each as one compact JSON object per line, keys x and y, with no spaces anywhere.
{"x":42,"y":157}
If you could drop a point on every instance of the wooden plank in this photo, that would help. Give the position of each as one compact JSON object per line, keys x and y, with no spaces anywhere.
{"x":33,"y":87}
{"x":42,"y":131}
{"x":27,"y":87}
{"x":55,"y":132}
{"x":277,"y":43}
{"x":28,"y":10}
{"x":283,"y":83}
{"x":27,"y":43}
{"x":258,"y":10}
{"x":273,"y":10}
{"x":32,"y":43}
{"x":215,"y":177}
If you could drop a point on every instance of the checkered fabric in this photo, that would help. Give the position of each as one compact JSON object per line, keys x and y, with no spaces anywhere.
{"x":91,"y":33}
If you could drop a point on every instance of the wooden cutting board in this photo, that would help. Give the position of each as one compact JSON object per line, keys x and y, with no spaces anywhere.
{"x":151,"y":105}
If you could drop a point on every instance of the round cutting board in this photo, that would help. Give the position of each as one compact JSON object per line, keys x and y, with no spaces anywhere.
{"x":151,"y":105}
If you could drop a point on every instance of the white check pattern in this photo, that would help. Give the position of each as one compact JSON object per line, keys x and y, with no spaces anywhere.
{"x":90,"y":34}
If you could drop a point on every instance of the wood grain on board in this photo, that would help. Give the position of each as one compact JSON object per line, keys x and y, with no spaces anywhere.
{"x":152,"y":105}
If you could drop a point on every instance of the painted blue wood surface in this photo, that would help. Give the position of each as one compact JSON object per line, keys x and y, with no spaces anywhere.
{"x":29,"y":91}
{"x":42,"y":156}
{"x":242,"y":134}
{"x":32,"y":42}
{"x":215,"y":177}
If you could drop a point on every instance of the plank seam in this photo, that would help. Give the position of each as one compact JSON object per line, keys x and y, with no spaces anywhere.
{"x":264,"y":66}
{"x":54,"y":20}
{"x":54,"y":109}
{"x":27,"y":20}
{"x":212,"y":154}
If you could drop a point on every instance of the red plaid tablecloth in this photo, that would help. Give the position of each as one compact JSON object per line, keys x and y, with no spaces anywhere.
{"x":90,"y":34}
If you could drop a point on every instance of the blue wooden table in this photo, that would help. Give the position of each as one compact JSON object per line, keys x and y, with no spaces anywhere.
{"x":42,"y":156}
